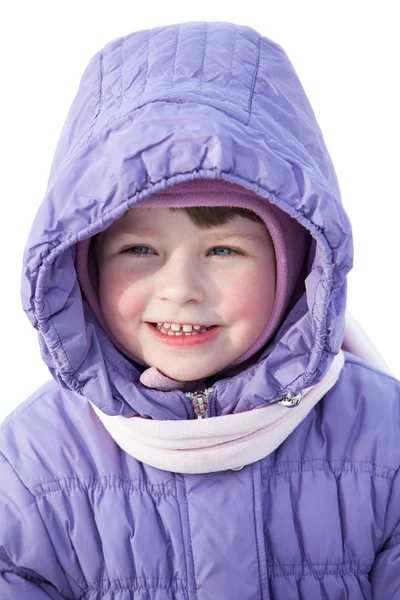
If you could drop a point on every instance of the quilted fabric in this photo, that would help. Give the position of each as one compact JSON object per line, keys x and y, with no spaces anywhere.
{"x":79,"y":517}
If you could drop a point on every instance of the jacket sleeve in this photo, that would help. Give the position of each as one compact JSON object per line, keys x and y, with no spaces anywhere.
{"x":28,"y":565}
{"x":385,"y":573}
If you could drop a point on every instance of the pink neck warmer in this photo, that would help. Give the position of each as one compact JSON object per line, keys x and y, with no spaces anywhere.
{"x":291,"y":243}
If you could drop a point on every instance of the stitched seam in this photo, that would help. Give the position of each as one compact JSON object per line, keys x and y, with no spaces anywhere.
{"x":185,"y":550}
{"x":122,"y":88}
{"x":100,"y":100}
{"x":203,"y":60}
{"x":256,"y":536}
{"x":131,"y":111}
{"x":190,"y":536}
{"x":178,"y":31}
{"x":231,"y":66}
{"x":149,"y":32}
{"x":253,"y":83}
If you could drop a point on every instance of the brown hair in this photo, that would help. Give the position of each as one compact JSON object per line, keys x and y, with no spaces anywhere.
{"x":211,"y":216}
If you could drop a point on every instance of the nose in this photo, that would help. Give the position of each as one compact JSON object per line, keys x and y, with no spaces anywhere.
{"x":180,"y":280}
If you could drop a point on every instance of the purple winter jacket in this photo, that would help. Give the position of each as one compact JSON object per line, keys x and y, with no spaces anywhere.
{"x":82,"y":519}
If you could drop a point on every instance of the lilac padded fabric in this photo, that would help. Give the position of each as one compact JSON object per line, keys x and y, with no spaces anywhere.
{"x":81,"y":519}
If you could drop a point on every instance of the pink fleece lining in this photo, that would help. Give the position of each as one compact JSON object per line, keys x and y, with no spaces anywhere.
{"x":291,"y":243}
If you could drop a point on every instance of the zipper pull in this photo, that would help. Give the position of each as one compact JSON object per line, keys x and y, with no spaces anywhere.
{"x":200,"y":402}
{"x":290,"y":400}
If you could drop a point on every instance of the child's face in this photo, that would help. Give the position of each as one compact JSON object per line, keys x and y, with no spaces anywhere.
{"x":157,"y":266}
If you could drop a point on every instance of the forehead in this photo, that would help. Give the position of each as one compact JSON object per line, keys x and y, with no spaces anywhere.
{"x":160,"y":220}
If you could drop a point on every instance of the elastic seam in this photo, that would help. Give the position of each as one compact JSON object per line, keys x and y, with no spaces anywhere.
{"x":71,"y":370}
{"x":136,"y":485}
{"x":309,"y":570}
{"x":347,"y":467}
{"x":153,"y":583}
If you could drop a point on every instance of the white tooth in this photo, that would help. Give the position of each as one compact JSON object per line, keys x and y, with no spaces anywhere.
{"x":186,"y":328}
{"x":159,"y":324}
{"x":175,"y":327}
{"x":196,"y":326}
{"x":171,"y":333}
{"x":167,"y":325}
{"x":179,"y":333}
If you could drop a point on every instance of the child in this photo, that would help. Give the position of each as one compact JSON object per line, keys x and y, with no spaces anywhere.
{"x":217,"y":427}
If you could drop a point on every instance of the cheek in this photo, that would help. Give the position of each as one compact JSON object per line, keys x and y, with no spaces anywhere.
{"x":250,"y":295}
{"x":119,"y":296}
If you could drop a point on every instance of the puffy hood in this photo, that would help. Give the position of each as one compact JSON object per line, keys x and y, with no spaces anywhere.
{"x":156,"y":108}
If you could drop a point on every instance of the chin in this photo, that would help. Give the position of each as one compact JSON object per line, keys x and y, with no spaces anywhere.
{"x":186,"y":374}
{"x":179,"y":376}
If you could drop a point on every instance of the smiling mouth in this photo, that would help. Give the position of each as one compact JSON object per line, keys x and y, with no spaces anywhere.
{"x":175,"y":330}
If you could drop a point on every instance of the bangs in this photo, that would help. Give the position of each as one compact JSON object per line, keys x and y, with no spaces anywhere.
{"x":212,"y":216}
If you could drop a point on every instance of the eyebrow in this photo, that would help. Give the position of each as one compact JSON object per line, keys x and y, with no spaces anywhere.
{"x":249,"y":236}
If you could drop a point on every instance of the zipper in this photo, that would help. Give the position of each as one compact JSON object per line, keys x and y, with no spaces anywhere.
{"x":199,"y":402}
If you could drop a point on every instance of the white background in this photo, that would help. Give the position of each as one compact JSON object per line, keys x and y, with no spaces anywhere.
{"x":347,"y":55}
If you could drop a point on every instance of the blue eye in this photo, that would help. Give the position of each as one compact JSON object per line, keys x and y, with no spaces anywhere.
{"x":225,"y":251}
{"x":140,"y":250}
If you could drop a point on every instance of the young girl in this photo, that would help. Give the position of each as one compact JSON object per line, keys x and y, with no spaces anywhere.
{"x":217,"y":426}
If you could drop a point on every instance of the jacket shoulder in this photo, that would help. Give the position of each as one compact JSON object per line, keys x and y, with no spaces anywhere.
{"x":55,"y":436}
{"x":357,"y":422}
{"x":378,"y":388}
{"x":48,"y":389}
